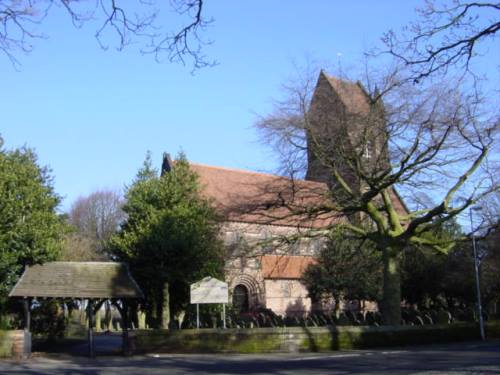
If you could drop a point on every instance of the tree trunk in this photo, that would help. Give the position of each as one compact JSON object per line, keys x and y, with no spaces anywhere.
{"x":165,"y":307}
{"x":152,"y":313}
{"x":391,"y":299}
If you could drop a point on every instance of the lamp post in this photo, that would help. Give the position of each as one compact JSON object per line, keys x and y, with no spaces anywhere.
{"x":476,"y":270}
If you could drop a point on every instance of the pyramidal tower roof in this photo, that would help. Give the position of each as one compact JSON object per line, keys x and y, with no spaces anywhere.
{"x":352,"y":94}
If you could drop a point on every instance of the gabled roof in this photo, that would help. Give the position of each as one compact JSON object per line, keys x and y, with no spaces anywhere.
{"x":260,"y":198}
{"x":77,"y":280}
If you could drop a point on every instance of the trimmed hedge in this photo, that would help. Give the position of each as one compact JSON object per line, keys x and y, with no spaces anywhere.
{"x":293,"y":339}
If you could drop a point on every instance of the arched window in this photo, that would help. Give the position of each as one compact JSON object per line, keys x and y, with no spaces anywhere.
{"x":240,"y":298}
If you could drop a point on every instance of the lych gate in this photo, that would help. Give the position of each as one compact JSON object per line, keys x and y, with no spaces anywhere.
{"x":94,"y":281}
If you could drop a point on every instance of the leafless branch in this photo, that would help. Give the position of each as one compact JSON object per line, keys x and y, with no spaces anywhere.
{"x":20,"y":20}
{"x":445,"y":36}
{"x":433,"y":138}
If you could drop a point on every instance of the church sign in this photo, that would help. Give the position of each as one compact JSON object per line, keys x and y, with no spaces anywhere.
{"x":209,"y":290}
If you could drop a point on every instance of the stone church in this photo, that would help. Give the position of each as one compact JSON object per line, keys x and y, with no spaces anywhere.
{"x":261,"y":210}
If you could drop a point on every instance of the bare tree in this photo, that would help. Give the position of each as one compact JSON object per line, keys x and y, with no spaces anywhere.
{"x":364,"y":141}
{"x":490,"y":213}
{"x":97,"y":217}
{"x":127,"y":21}
{"x":78,"y":248}
{"x":446,"y":35}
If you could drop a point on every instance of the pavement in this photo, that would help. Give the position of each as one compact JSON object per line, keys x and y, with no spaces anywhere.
{"x":457,"y":358}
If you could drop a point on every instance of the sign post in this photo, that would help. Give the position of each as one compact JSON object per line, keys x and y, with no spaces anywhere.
{"x":224,"y":315}
{"x":197,"y":316}
{"x":210,"y":290}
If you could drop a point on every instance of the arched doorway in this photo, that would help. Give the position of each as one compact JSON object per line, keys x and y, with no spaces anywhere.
{"x":240,"y":298}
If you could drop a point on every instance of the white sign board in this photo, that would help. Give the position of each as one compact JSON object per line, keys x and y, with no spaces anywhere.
{"x":209,"y":290}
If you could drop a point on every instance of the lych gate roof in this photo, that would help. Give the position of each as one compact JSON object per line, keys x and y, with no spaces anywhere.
{"x":77,"y":280}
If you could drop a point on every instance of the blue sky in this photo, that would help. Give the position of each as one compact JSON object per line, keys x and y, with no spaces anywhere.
{"x":91,"y":114}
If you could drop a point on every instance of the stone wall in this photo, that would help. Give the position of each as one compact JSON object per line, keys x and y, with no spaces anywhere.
{"x":304,"y":339}
{"x":15,"y":344}
{"x":246,"y":243}
{"x":287,"y":297}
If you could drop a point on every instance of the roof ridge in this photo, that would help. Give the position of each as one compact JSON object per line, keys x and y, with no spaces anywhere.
{"x":239,"y":170}
{"x":83,"y":262}
{"x":287,"y":256}
{"x":245,"y":171}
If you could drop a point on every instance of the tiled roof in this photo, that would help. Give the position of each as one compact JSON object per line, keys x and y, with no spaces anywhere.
{"x":77,"y":280}
{"x":261,"y":198}
{"x":285,"y":267}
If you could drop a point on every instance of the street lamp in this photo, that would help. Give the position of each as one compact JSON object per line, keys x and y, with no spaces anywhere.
{"x":476,"y":269}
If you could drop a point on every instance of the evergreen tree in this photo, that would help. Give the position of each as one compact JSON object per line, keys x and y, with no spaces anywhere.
{"x":30,"y":228}
{"x":170,"y":238}
{"x":347,"y":268}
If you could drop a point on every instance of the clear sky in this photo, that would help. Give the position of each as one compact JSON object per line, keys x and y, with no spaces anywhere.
{"x":91,"y":114}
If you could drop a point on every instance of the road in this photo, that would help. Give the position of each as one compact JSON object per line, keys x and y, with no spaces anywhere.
{"x":463,"y":358}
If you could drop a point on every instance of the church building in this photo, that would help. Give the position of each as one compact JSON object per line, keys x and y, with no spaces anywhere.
{"x":269,"y":236}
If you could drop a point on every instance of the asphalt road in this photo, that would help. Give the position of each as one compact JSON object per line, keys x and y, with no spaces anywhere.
{"x":463,"y":358}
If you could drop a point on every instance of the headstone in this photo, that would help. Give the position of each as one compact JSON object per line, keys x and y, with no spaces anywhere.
{"x":334,"y":317}
{"x":418,"y":321}
{"x":322,"y":320}
{"x":141,"y":319}
{"x":98,"y":321}
{"x":262,"y":319}
{"x":343,"y":320}
{"x":360,"y":317}
{"x":434,"y":315}
{"x":427,"y":319}
{"x":443,"y":317}
{"x":313,"y":320}
{"x":378,"y":317}
{"x":350,"y":315}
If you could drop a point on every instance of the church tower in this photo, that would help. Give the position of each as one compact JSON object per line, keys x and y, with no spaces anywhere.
{"x":345,"y":132}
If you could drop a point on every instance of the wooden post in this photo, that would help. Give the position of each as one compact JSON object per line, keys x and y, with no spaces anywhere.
{"x":125,"y":324}
{"x":82,"y":312}
{"x":197,"y":315}
{"x":224,"y":315}
{"x":90,"y":312}
{"x":27,"y":314}
{"x":27,"y":328}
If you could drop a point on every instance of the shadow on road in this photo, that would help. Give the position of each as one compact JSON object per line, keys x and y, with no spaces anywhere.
{"x":104,"y":343}
{"x":463,"y":358}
